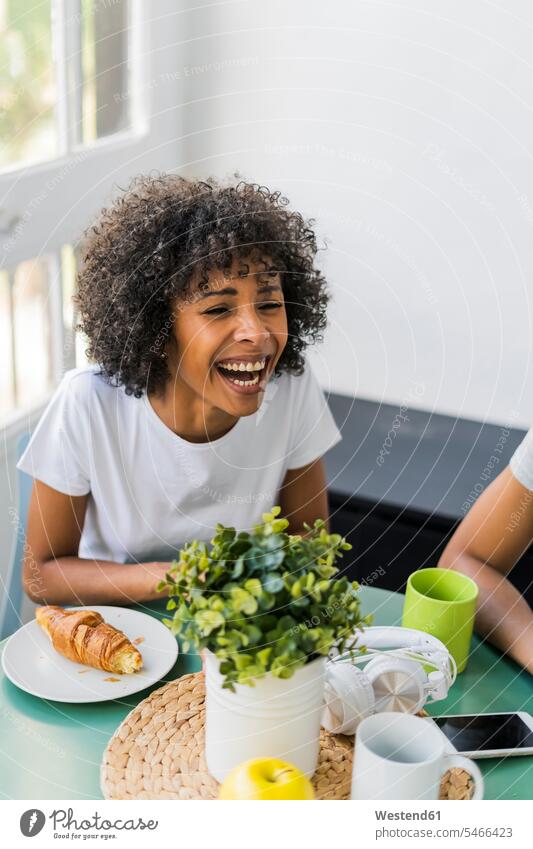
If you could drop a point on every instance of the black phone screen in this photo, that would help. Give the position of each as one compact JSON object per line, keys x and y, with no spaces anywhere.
{"x":487,"y":731}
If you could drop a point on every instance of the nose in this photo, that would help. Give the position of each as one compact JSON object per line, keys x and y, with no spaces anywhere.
{"x":250,"y":326}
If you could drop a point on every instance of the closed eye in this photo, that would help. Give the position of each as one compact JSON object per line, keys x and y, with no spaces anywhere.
{"x":215,"y":311}
{"x":270,"y":305}
{"x":220,"y":310}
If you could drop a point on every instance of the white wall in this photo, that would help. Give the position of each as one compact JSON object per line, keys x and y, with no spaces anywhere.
{"x":407,"y":133}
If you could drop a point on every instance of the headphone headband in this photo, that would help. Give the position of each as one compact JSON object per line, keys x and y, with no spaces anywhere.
{"x":383,"y":637}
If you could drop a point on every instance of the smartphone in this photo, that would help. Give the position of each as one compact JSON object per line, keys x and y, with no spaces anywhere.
{"x":488,"y":735}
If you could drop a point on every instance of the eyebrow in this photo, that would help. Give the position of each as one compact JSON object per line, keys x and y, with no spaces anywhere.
{"x":229,"y":290}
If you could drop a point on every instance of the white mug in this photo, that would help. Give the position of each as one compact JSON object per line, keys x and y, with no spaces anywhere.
{"x":400,"y":756}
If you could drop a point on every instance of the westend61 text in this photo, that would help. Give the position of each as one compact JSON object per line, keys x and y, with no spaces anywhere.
{"x":407,"y":815}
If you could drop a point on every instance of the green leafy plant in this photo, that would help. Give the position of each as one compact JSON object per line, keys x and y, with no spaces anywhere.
{"x":263,"y":602}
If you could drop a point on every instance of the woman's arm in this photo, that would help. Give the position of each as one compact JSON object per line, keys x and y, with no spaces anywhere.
{"x":54,"y":574}
{"x":303,"y":496}
{"x":491,"y":538}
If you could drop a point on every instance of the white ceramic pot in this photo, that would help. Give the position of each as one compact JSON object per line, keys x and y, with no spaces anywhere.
{"x":277,"y":718}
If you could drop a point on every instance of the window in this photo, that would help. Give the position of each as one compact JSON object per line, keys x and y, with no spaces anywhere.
{"x":53,"y":106}
{"x":82,"y":113}
{"x":27,"y":90}
{"x":38,"y":341}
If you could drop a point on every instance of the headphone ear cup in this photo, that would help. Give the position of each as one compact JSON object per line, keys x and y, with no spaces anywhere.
{"x":399,"y":685}
{"x":349,"y":697}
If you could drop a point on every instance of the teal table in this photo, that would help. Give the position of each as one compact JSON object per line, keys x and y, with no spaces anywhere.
{"x":53,"y":750}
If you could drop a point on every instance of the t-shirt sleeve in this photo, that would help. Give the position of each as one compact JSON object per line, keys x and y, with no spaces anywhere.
{"x":521,"y":462}
{"x":313,"y":428}
{"x":58,"y":451}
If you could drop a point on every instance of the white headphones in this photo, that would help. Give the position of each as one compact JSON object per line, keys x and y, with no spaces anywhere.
{"x":403,"y":669}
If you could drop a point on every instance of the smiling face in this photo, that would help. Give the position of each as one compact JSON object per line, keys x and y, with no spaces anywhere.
{"x":228,"y":336}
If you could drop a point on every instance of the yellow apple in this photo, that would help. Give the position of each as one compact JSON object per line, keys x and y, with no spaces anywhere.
{"x":266,"y":778}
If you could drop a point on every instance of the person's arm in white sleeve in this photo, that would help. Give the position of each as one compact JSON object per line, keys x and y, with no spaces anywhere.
{"x":491,"y":538}
{"x":58,"y":458}
{"x":54,"y":574}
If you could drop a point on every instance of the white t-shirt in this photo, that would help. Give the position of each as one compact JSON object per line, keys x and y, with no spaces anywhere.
{"x":152,"y":491}
{"x":521,"y":462}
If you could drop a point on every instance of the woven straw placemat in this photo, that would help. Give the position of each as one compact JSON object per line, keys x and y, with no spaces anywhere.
{"x":157,"y":752}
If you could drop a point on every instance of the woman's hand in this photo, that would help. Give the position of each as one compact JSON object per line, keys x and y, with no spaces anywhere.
{"x":155,"y":572}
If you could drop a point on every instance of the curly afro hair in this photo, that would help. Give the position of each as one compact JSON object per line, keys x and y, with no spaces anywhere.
{"x":139,"y":258}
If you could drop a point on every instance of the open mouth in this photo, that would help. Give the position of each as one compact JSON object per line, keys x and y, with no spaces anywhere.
{"x":244,"y":376}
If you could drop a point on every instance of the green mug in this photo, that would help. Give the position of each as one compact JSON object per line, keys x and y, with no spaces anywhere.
{"x":442,"y":602}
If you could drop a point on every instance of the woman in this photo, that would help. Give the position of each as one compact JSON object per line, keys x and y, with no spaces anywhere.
{"x":491,"y":538}
{"x":198,"y":301}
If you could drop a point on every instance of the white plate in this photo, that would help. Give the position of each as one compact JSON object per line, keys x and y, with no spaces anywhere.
{"x":30,"y":661}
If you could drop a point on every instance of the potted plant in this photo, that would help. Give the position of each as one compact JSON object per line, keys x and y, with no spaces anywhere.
{"x":266,"y":608}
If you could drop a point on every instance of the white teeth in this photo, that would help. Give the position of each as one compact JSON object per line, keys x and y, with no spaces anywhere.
{"x":257,"y":366}
{"x":245,"y":382}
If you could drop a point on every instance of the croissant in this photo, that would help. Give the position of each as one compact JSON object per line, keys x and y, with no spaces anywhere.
{"x":84,"y":637}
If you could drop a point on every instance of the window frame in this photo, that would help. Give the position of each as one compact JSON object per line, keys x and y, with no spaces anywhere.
{"x":84,"y":177}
